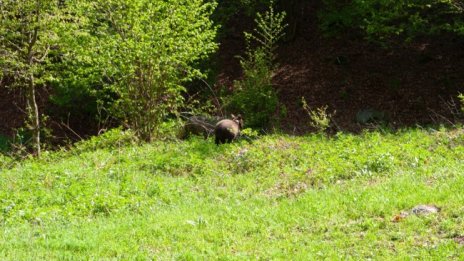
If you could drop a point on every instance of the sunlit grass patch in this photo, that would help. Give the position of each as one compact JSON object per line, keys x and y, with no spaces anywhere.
{"x":278,"y":197}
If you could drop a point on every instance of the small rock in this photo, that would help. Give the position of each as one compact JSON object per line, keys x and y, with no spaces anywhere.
{"x":425,"y":209}
{"x":417,"y":210}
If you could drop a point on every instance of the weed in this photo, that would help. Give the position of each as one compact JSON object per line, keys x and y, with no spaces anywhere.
{"x":320,"y":118}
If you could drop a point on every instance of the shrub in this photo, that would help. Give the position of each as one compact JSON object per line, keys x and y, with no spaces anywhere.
{"x":320,"y":119}
{"x":255,"y":96}
{"x":146,"y":50}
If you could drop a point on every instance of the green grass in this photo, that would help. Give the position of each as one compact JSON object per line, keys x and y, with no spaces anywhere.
{"x":280,"y":197}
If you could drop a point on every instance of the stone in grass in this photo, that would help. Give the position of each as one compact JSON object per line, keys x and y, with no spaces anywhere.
{"x":417,"y":210}
{"x":425,"y":209}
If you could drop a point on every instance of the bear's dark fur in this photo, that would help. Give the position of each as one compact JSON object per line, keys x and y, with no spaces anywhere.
{"x":228,"y":130}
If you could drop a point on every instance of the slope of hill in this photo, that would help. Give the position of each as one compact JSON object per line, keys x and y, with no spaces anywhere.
{"x":307,"y":198}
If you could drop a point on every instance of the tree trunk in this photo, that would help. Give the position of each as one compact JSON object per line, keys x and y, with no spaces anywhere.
{"x":33,"y":111}
{"x":32,"y":108}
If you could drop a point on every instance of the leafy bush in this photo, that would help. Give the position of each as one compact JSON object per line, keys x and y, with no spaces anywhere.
{"x":146,"y":50}
{"x":79,"y":93}
{"x":255,"y":96}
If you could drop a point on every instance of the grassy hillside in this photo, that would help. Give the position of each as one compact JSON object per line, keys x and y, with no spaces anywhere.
{"x":279,"y":197}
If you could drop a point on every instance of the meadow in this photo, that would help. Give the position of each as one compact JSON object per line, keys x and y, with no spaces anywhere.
{"x":277,"y":198}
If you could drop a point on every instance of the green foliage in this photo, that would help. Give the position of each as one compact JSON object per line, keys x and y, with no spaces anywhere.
{"x":320,"y":119}
{"x":380,"y":19}
{"x":112,"y":139}
{"x":29,"y":30}
{"x":250,"y":133}
{"x":461,"y":98}
{"x":171,"y":200}
{"x":269,"y":30}
{"x":5,"y":161}
{"x":255,"y":96}
{"x":79,"y":93}
{"x":147,"y":51}
{"x":104,"y":61}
